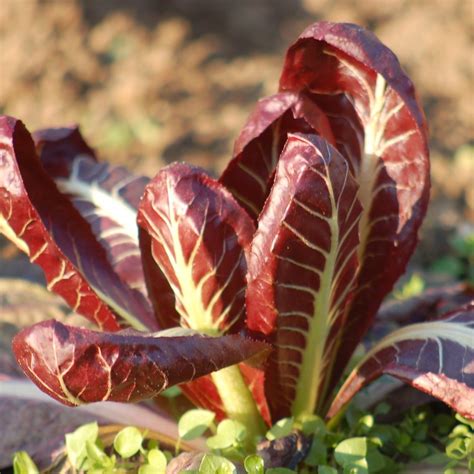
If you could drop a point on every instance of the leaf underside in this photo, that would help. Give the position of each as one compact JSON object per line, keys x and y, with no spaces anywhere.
{"x":436,"y":357}
{"x":302,"y":267}
{"x":44,"y":224}
{"x":106,"y":196}
{"x":379,"y":127}
{"x":77,"y":365}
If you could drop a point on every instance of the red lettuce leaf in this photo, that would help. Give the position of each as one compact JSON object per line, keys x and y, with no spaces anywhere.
{"x":196,"y":235}
{"x":44,"y":224}
{"x":340,"y":65}
{"x":257,"y":149}
{"x":106,"y":196}
{"x":429,"y":305}
{"x":203,"y":393}
{"x":302,"y":267}
{"x":436,"y":357}
{"x":59,"y":147}
{"x":77,"y":365}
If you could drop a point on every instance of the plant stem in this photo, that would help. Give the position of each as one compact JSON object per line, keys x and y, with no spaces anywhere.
{"x":238,"y":401}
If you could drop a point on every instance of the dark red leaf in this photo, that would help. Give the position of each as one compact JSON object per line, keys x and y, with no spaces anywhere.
{"x":196,"y":235}
{"x":436,"y":357}
{"x":106,"y":196}
{"x":203,"y":393}
{"x":257,"y":149}
{"x":302,"y":268}
{"x":44,"y":224}
{"x":77,"y":365}
{"x":342,"y":65}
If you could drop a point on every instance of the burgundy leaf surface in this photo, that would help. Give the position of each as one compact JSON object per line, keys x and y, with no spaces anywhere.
{"x":249,"y":174}
{"x":106,"y":196}
{"x":436,"y":357}
{"x":43,"y":223}
{"x":76,"y":365}
{"x":302,"y":267}
{"x":196,"y":235}
{"x":341,"y":65}
{"x":429,"y":305}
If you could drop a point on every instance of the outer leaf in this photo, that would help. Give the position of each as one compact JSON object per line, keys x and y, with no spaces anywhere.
{"x":436,"y":357}
{"x":249,"y":174}
{"x":429,"y":305}
{"x":76,"y":366}
{"x":196,"y":235}
{"x":45,"y":225}
{"x":392,"y":167}
{"x":106,"y":196}
{"x":302,"y":267}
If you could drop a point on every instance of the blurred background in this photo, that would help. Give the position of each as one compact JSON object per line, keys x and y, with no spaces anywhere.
{"x":153,"y":81}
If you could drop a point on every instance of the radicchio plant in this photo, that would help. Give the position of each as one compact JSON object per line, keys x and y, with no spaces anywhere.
{"x":287,"y":256}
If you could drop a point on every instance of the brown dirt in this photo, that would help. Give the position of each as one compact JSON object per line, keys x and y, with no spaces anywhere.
{"x":152,"y":82}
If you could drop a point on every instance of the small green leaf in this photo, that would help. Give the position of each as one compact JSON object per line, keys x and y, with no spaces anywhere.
{"x":212,"y":464}
{"x":171,"y":392}
{"x":23,"y":464}
{"x":382,"y":435}
{"x":326,"y":470}
{"x":229,"y":433}
{"x":254,"y":464}
{"x":157,"y":463}
{"x":413,"y":287}
{"x":457,"y":448}
{"x":97,"y":456}
{"x":417,"y":450}
{"x":77,"y":440}
{"x":366,"y":422}
{"x":280,"y":429}
{"x":157,"y":458}
{"x":318,"y":452}
{"x":128,"y":441}
{"x":194,"y":423}
{"x":460,"y":430}
{"x":464,"y":421}
{"x":352,"y":453}
{"x":312,"y":425}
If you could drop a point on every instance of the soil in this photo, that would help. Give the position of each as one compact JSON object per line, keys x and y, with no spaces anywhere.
{"x":153,"y":82}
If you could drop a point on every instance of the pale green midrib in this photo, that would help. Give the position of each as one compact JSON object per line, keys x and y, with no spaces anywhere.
{"x":366,"y":178}
{"x":311,"y":368}
{"x":237,"y":400}
{"x":367,"y":175}
{"x":444,"y":330}
{"x":234,"y":393}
